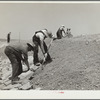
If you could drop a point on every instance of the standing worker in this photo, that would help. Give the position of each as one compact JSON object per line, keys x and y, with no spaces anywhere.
{"x":38,"y":40}
{"x":17,"y":53}
{"x":60,"y":32}
{"x":8,"y":37}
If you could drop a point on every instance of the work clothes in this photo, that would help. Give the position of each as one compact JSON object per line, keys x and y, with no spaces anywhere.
{"x":16,"y":53}
{"x":38,"y":40}
{"x":60,"y":32}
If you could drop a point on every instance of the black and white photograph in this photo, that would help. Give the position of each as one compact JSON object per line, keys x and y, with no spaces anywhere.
{"x":52,"y":46}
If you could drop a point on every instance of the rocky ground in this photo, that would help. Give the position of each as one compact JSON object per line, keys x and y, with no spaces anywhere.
{"x":75,"y":66}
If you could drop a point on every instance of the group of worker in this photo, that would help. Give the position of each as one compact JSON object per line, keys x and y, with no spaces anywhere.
{"x":18,"y":53}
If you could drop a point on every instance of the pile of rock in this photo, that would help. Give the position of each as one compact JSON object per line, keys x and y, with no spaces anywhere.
{"x":25,"y":81}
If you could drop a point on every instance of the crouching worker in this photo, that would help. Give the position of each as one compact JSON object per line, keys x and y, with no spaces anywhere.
{"x":17,"y":53}
{"x":38,"y":40}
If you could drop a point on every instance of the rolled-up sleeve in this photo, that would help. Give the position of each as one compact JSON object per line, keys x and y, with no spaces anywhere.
{"x":25,"y":56}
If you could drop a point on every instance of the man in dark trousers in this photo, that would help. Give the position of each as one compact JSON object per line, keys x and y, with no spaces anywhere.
{"x":17,"y":53}
{"x":60,"y":32}
{"x":38,"y":40}
{"x":8,"y":37}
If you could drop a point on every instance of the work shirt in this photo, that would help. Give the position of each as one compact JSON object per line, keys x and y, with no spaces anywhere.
{"x":61,"y":29}
{"x":41,"y":35}
{"x":21,"y":50}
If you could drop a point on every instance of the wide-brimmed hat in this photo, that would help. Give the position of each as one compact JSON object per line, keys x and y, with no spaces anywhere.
{"x":30,"y":46}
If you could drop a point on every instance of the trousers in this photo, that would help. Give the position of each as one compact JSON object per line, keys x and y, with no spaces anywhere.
{"x":15,"y":61}
{"x":36,"y":41}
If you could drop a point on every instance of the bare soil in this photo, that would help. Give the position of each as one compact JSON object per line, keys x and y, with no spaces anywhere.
{"x":75,"y":65}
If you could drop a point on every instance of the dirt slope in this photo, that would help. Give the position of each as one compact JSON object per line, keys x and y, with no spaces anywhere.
{"x":75,"y":65}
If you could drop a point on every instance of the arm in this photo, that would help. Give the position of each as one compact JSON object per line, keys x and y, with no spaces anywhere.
{"x":64,"y":32}
{"x":41,"y":44}
{"x":25,"y":60}
{"x":27,"y":63}
{"x":43,"y":51}
{"x":42,"y":47}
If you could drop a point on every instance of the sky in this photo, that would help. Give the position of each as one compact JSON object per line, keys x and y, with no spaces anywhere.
{"x":25,"y":18}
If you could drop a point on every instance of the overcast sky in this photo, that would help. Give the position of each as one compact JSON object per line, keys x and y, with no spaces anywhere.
{"x":26,"y":18}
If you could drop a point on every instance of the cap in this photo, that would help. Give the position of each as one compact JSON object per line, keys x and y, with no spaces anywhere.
{"x":49,"y":33}
{"x":30,"y":46}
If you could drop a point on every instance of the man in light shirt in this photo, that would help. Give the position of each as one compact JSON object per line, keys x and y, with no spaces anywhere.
{"x":38,"y":40}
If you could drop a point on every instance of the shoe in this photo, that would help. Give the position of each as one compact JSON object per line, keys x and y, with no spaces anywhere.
{"x":17,"y":78}
{"x":16,"y":82}
{"x":12,"y":82}
{"x":48,"y":61}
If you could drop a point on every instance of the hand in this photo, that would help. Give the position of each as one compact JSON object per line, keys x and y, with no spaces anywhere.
{"x":45,"y":56}
{"x":26,"y":69}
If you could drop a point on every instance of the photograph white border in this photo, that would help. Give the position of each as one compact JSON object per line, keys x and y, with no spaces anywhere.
{"x":52,"y":94}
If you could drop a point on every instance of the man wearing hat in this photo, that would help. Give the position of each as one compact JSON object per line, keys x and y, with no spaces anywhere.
{"x":60,"y":32}
{"x":16,"y":53}
{"x":38,"y":40}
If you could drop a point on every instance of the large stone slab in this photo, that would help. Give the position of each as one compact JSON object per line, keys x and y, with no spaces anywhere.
{"x":7,"y":82}
{"x":26,"y":86}
{"x":26,"y":75}
{"x":9,"y":87}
